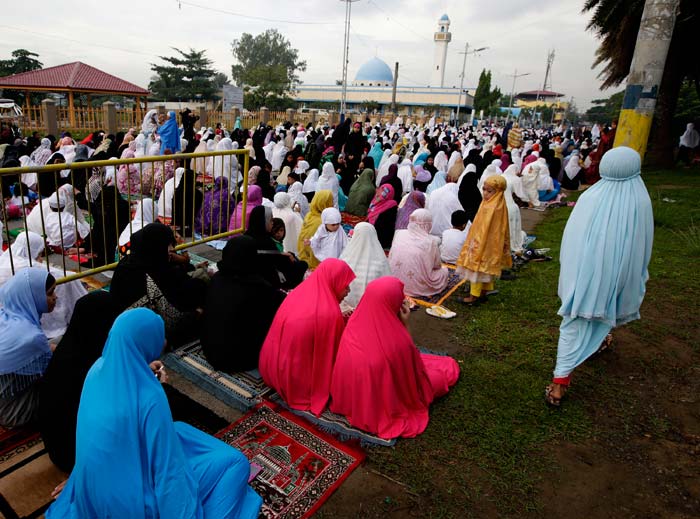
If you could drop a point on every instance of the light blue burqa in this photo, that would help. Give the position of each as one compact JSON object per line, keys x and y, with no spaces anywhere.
{"x":605,"y":253}
{"x":131,"y":459}
{"x":439,"y":180}
{"x":376,"y":153}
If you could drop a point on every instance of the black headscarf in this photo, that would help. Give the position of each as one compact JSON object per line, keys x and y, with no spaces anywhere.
{"x":110,"y":213}
{"x":469,"y":195}
{"x":187,"y":201}
{"x":60,"y":389}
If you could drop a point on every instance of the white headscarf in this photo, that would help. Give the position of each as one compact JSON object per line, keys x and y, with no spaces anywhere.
{"x":691,"y":138}
{"x":453,"y":158}
{"x":165,"y":202}
{"x":517,"y":236}
{"x":384,"y":168}
{"x":441,"y":204}
{"x":310,"y":182}
{"x":490,"y":171}
{"x":366,"y":258}
{"x":328,"y":180}
{"x":530,"y":180}
{"x":292,"y":221}
{"x":514,"y":181}
{"x":441,"y":161}
{"x":278,"y":154}
{"x":60,"y":226}
{"x":26,"y":248}
{"x":572,"y":165}
{"x":149,"y":122}
{"x":405,"y":173}
{"x":226,"y":164}
{"x":298,"y":200}
{"x":544,"y":182}
{"x":326,"y":244}
{"x":146,"y":212}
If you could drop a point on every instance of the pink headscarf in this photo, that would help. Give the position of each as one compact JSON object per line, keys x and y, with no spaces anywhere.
{"x":381,"y":383}
{"x":382,"y":201}
{"x":254,"y":200}
{"x":298,"y":354}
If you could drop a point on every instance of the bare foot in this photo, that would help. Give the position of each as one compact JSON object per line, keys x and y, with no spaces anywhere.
{"x":57,"y":491}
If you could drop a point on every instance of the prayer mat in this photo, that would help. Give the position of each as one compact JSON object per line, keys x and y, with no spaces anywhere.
{"x":351,"y":219}
{"x":299,"y":467}
{"x":335,"y":424}
{"x":243,"y":390}
{"x":15,"y":440}
{"x":453,"y":284}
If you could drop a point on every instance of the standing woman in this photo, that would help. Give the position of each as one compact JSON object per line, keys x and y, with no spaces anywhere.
{"x":600,"y":291}
{"x":131,"y":459}
{"x":24,"y":349}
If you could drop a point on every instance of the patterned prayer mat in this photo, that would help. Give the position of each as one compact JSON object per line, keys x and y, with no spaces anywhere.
{"x":335,"y":424}
{"x":299,"y":467}
{"x":243,"y":390}
{"x":453,"y":284}
{"x":351,"y":219}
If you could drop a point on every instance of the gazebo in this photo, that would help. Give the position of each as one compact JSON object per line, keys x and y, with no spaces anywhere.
{"x":72,"y":78}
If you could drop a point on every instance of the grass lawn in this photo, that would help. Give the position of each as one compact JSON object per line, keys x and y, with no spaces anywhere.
{"x":484,"y":452}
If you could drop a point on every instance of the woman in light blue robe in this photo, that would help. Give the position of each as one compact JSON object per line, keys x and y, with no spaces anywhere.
{"x":131,"y":459}
{"x":605,"y":253}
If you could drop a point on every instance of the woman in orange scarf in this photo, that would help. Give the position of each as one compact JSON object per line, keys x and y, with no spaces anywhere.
{"x":487,"y":249}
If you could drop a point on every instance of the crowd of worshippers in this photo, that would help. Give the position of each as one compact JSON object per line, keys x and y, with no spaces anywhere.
{"x":318,"y":283}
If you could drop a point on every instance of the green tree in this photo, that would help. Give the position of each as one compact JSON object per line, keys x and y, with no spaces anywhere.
{"x":188,"y":76}
{"x":266,"y":66}
{"x":485,"y":98}
{"x":605,"y":110}
{"x":22,"y":61}
{"x":616,"y":23}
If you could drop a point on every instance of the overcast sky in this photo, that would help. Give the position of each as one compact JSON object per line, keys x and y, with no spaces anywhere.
{"x":125,"y":38}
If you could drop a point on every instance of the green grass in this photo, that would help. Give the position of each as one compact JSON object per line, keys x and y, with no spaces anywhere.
{"x":484,"y":448}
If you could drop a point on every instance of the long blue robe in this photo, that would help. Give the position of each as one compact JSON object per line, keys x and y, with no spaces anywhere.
{"x":131,"y":459}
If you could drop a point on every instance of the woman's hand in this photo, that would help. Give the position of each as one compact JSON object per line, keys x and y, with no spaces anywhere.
{"x":405,"y":312}
{"x":57,"y":491}
{"x":159,"y":371}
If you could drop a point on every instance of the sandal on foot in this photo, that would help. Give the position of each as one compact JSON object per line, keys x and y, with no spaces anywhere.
{"x":550,"y":399}
{"x":607,"y":344}
{"x":465,"y":301}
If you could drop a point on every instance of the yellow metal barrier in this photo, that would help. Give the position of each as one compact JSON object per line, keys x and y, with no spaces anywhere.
{"x":97,"y":169}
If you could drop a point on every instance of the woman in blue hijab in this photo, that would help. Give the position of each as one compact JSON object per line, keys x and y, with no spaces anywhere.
{"x":24,"y":349}
{"x":131,"y":459}
{"x":169,"y":135}
{"x":376,"y":153}
{"x":605,"y":253}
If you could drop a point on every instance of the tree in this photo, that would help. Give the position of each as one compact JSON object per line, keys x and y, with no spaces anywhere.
{"x":188,"y":76}
{"x":484,"y":98}
{"x":605,"y":110}
{"x":616,"y":23}
{"x":266,"y":66}
{"x":22,"y":61}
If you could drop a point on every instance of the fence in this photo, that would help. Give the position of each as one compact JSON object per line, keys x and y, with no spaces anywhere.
{"x":105,"y":185}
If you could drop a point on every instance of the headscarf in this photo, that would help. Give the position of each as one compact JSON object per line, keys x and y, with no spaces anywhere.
{"x":571,"y":165}
{"x":361,"y":194}
{"x":23,"y":252}
{"x":607,"y":244}
{"x":327,"y":244}
{"x":439,"y":180}
{"x":691,"y":137}
{"x":41,"y":155}
{"x":487,"y":248}
{"x":456,"y":169}
{"x":320,"y":201}
{"x":441,"y":161}
{"x":376,"y":153}
{"x":384,"y":169}
{"x":217,"y":205}
{"x":415,"y":200}
{"x":149,"y":122}
{"x":22,"y":341}
{"x":469,"y":194}
{"x":310,"y":182}
{"x":146,"y":212}
{"x":292,"y":221}
{"x":254,"y":200}
{"x":378,"y":363}
{"x":365,"y":256}
{"x":165,"y":201}
{"x":405,"y":173}
{"x":310,"y":340}
{"x":298,"y":198}
{"x":329,"y":181}
{"x":225,"y":165}
{"x":442,"y":203}
{"x":383,"y":201}
{"x":169,"y":134}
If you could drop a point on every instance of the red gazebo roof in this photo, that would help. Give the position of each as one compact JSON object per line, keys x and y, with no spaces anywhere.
{"x":76,"y":76}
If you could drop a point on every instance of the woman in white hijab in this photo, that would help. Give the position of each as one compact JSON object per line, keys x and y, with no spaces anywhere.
{"x":405,"y":174}
{"x":225,"y":165}
{"x":442,"y":203}
{"x":441,"y":161}
{"x":278,"y":154}
{"x":292,"y":221}
{"x":384,"y":168}
{"x":498,"y":163}
{"x":28,"y":179}
{"x":165,"y":201}
{"x":329,"y":243}
{"x":25,"y":253}
{"x":366,"y":258}
{"x":516,"y":158}
{"x":329,"y":180}
{"x":689,"y":141}
{"x":310,"y":182}
{"x":490,"y":171}
{"x":299,"y":202}
{"x":514,"y":181}
{"x":146,"y":212}
{"x":60,"y":226}
{"x":544,"y":180}
{"x":530,"y":181}
{"x":200,"y":164}
{"x":385,"y":157}
{"x":150,"y":122}
{"x":453,"y":158}
{"x":40,"y":156}
{"x":517,"y":235}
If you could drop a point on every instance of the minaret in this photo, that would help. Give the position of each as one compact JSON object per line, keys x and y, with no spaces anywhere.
{"x":442,"y":39}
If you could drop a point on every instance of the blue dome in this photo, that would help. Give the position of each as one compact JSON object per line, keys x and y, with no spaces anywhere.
{"x":375,"y":70}
{"x":444,"y":18}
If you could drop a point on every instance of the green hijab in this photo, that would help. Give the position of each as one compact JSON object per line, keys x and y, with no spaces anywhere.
{"x":361,"y":194}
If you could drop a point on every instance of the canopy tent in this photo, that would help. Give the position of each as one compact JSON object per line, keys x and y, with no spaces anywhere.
{"x":72,"y":78}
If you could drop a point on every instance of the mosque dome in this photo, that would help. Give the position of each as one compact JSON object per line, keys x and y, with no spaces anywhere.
{"x":374,"y":73}
{"x":445,"y":18}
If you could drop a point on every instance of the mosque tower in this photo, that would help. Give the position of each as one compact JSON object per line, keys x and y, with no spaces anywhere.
{"x":442,"y":39}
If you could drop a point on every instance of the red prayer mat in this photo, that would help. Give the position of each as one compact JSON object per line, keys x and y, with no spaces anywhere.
{"x":15,"y":440}
{"x":300,"y":467}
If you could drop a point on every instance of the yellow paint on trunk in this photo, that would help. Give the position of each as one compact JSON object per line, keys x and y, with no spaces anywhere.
{"x":633,"y":130}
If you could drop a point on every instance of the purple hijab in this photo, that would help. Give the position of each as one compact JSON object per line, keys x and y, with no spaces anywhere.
{"x":215,"y":209}
{"x":415,"y":200}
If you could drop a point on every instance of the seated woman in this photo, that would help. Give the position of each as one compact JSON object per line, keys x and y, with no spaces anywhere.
{"x":382,"y":214}
{"x":366,"y":258}
{"x":298,"y":353}
{"x":292,"y":221}
{"x":321,"y":201}
{"x":254,"y":200}
{"x":415,"y":257}
{"x":330,"y":239}
{"x":25,"y":252}
{"x":238,"y":294}
{"x":186,"y":203}
{"x":218,"y":205}
{"x":381,"y":383}
{"x":152,"y":275}
{"x":146,"y":213}
{"x":280,"y":269}
{"x":361,"y":194}
{"x":24,"y":349}
{"x":59,"y":394}
{"x":131,"y":459}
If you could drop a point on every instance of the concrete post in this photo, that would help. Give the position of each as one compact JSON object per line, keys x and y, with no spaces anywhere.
{"x":109,"y":110}
{"x":236,"y":114}
{"x":313,"y":116}
{"x":264,"y":115}
{"x":202,"y":113}
{"x":650,"y":51}
{"x":333,"y":117}
{"x":48,"y":111}
{"x":291,"y":115}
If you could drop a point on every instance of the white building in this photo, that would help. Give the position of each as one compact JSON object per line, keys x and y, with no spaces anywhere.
{"x":442,"y":39}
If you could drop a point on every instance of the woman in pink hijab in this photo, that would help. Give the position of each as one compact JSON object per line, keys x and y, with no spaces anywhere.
{"x":415,"y":257}
{"x":381,"y":383}
{"x":254,"y":200}
{"x":299,"y":351}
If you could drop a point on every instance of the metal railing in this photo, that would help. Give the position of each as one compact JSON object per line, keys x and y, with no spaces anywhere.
{"x":93,"y":172}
